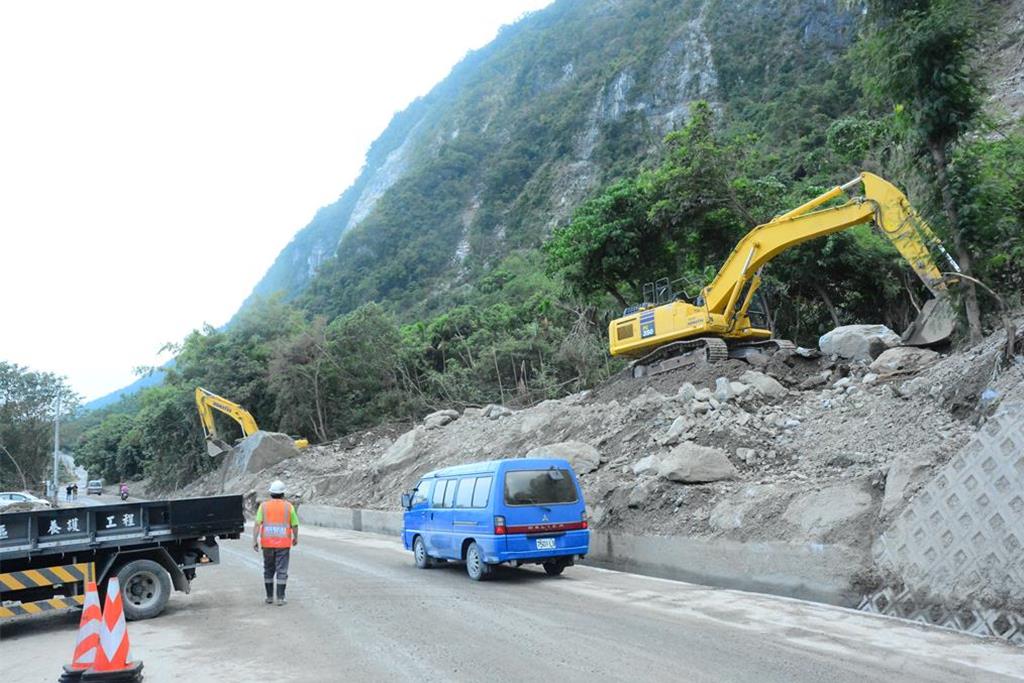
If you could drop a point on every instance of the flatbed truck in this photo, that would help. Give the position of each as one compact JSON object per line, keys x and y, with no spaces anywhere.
{"x":46,"y":556}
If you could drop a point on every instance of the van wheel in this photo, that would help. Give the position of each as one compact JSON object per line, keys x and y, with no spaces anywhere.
{"x":145,"y":589}
{"x":419,"y":553}
{"x":477,"y":569}
{"x":554,"y":568}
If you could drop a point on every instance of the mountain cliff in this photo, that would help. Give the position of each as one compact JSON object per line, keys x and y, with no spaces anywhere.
{"x":559,"y":104}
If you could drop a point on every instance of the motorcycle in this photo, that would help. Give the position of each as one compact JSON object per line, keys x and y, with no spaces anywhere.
{"x":124,"y":495}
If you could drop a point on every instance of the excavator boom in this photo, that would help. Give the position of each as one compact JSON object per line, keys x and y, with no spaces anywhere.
{"x":722,"y":310}
{"x":207,"y":402}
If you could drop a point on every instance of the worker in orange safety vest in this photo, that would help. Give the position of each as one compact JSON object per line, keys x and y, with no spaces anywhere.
{"x":276,"y":531}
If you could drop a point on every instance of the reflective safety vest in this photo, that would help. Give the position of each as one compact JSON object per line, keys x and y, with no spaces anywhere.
{"x":276,"y":531}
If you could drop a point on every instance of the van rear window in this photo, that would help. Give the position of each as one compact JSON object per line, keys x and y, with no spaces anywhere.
{"x":539,"y":487}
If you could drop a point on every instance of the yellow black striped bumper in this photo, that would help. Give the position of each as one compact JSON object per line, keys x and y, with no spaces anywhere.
{"x":45,"y":576}
{"x":11,"y":582}
{"x":41,"y":606}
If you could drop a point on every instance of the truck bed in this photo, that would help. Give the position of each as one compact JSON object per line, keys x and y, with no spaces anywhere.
{"x":76,"y":529}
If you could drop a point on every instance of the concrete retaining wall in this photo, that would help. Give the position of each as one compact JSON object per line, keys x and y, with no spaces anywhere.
{"x":810,"y":571}
{"x":955,"y":555}
{"x":385,"y":522}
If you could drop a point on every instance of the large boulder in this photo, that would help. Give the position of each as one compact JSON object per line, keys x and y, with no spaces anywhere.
{"x":765,"y":385}
{"x":582,"y":456}
{"x":647,"y":465}
{"x":539,"y":416}
{"x":440,"y":418}
{"x":259,"y":451}
{"x":675,"y":432}
{"x":820,"y":513}
{"x":402,"y":452}
{"x":858,"y":342}
{"x":693,"y":464}
{"x":903,"y":359}
{"x":906,"y":474}
{"x":495,"y":411}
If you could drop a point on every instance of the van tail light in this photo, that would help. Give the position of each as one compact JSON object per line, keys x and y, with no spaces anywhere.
{"x":583,"y":520}
{"x":499,"y":525}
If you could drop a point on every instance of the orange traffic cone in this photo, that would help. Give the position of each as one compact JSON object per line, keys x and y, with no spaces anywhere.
{"x":88,"y":636}
{"x":114,"y":650}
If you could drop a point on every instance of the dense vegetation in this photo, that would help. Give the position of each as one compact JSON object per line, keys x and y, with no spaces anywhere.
{"x":397,"y":324}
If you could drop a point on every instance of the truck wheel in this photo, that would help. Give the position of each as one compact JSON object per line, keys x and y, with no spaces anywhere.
{"x":475,"y":565}
{"x":145,"y":589}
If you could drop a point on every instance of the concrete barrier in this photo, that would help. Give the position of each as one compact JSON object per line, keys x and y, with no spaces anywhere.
{"x":810,"y":571}
{"x":385,"y":522}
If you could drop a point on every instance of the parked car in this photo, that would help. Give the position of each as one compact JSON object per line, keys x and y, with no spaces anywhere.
{"x":12,"y":497}
{"x":518,"y":511}
{"x":94,"y":486}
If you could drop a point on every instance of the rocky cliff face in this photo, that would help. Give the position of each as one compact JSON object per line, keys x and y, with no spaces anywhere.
{"x":567,"y":99}
{"x":559,"y":103}
{"x":1008,"y":61}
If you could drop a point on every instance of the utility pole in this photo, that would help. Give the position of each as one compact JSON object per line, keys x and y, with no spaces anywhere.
{"x":56,"y":448}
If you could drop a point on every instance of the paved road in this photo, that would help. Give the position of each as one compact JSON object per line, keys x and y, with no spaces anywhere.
{"x":85,"y":500}
{"x":359,"y":610}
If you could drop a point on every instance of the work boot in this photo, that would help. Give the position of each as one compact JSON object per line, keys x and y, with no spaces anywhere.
{"x":270,"y":593}
{"x":280,"y":594}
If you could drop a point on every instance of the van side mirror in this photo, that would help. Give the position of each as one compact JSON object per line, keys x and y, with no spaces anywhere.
{"x":406,"y":500}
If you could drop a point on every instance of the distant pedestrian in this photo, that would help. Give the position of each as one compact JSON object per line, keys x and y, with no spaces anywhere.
{"x":276,"y":531}
{"x":74,"y":491}
{"x":67,"y":493}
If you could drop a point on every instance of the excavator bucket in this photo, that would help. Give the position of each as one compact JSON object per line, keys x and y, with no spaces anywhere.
{"x":935,"y":324}
{"x":215,"y":447}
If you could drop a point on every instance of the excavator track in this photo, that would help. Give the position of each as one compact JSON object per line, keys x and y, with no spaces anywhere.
{"x":741,"y":350}
{"x":679,"y":354}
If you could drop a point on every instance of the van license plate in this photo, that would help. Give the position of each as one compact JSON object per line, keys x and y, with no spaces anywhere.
{"x":545,"y":544}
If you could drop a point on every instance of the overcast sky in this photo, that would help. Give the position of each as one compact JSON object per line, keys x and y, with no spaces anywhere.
{"x":155,"y":157}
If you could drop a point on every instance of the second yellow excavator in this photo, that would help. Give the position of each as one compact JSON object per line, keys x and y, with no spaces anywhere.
{"x":207,"y":402}
{"x":665,"y":332}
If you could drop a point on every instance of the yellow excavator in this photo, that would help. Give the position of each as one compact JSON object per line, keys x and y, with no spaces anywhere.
{"x":207,"y":402}
{"x":666,"y":331}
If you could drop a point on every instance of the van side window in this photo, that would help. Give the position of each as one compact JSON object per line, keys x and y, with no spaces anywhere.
{"x":449,"y":492}
{"x":464,"y":497}
{"x":438,"y":498}
{"x":481,"y":492}
{"x":420,"y":496}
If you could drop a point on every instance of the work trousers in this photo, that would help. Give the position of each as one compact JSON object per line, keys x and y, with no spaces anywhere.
{"x":275,"y":561}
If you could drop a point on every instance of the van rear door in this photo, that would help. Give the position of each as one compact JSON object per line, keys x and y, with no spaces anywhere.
{"x":540,"y":506}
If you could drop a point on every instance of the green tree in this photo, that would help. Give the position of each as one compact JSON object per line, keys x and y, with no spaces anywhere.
{"x":104,"y":451}
{"x":610,"y":243}
{"x":987,"y":176}
{"x":27,"y":406}
{"x":921,"y":58}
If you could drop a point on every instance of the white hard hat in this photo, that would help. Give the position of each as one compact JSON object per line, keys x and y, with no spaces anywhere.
{"x":277,"y":486}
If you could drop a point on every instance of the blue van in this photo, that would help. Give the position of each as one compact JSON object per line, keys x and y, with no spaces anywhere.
{"x":521,"y":511}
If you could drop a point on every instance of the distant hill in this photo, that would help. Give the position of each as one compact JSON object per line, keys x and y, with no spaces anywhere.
{"x":135,"y":387}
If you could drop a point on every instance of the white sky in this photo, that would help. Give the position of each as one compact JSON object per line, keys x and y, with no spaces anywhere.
{"x":156,"y":157}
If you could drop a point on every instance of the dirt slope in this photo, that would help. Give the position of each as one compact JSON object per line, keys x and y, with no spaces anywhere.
{"x":810,"y":450}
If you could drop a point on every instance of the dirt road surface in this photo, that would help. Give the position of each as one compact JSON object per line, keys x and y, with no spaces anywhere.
{"x":359,"y":610}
